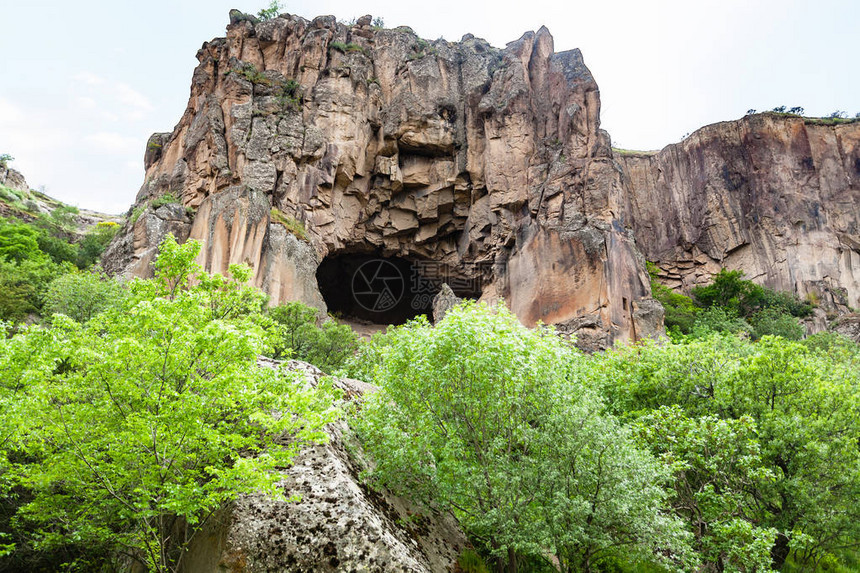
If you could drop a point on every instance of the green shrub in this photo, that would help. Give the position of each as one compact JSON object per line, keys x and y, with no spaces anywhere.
{"x":346,"y":48}
{"x":275,"y":8}
{"x":166,"y":199}
{"x":82,"y":295}
{"x":295,"y":334}
{"x":136,"y":213}
{"x":772,"y":321}
{"x":95,"y":241}
{"x":291,"y":224}
{"x":680,"y":310}
{"x":717,"y":319}
{"x":470,"y":562}
{"x":252,"y":74}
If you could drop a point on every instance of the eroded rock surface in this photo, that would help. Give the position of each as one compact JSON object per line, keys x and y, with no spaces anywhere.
{"x":338,"y":525}
{"x":487,"y":162}
{"x":775,"y":196}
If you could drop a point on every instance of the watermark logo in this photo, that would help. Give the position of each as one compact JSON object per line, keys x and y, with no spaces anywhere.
{"x":383,"y":285}
{"x":378,"y":285}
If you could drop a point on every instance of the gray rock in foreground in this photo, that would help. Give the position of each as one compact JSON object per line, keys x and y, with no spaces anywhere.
{"x":339,"y":524}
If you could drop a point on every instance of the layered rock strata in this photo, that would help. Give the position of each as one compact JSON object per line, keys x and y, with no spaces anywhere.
{"x":487,"y":163}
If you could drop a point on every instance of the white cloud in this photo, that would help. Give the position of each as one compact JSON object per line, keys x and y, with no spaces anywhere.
{"x":89,"y":78}
{"x":112,"y":142}
{"x":129,"y":96}
{"x":10,"y":113}
{"x":86,"y":103}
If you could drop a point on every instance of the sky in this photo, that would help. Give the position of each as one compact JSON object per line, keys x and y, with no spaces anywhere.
{"x":84,"y":83}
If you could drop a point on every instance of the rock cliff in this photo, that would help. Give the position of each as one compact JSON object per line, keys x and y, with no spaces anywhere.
{"x":310,"y":147}
{"x":773,"y":195}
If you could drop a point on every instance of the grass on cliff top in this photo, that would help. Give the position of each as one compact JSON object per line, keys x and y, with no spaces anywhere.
{"x":633,"y":152}
{"x":829,"y":120}
{"x":291,"y":224}
{"x":26,"y":203}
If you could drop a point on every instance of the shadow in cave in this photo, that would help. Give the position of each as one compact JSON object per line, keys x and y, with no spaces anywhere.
{"x":382,"y":290}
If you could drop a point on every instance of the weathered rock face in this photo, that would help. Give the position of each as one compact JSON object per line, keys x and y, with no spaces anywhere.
{"x":489,"y":163}
{"x":12,"y":179}
{"x":849,"y":326}
{"x":777,"y":197}
{"x":337,"y":525}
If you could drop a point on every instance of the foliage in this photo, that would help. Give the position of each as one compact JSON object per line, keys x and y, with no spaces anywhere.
{"x":291,"y":224}
{"x":680,"y":310}
{"x":136,"y":213}
{"x":470,"y":562}
{"x":289,"y":95}
{"x":346,"y":48}
{"x":275,"y":7}
{"x":82,"y":295}
{"x":5,"y":158}
{"x":165,"y":199}
{"x":771,"y":321}
{"x":94,"y":243}
{"x":715,"y":462}
{"x":733,"y":304}
{"x":18,"y":241}
{"x":804,"y":404}
{"x":132,"y":429}
{"x":483,"y":417}
{"x":378,"y":23}
{"x":295,"y":334}
{"x":718,"y":319}
{"x":23,"y":286}
{"x":250,"y":72}
{"x":25,"y":270}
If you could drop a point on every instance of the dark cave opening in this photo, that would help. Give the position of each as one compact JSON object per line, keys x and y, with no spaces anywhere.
{"x":386,"y":290}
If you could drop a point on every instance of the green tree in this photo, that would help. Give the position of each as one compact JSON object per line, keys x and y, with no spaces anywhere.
{"x":805,"y":407}
{"x":82,"y":295}
{"x":132,"y":429}
{"x":295,"y":334}
{"x":18,"y":241}
{"x":486,"y":418}
{"x":23,"y":286}
{"x":771,"y":321}
{"x":94,"y":243}
{"x":272,"y":11}
{"x":716,"y":463}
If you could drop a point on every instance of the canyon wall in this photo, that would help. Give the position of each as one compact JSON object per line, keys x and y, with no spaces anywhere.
{"x":311,"y":147}
{"x":310,"y":140}
{"x":776,"y":196}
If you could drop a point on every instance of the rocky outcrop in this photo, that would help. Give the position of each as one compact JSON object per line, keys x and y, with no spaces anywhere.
{"x":848,"y":326}
{"x":338,"y":524}
{"x":773,"y":195}
{"x":444,"y":301}
{"x":18,"y":201}
{"x":12,"y":179}
{"x":487,"y":163}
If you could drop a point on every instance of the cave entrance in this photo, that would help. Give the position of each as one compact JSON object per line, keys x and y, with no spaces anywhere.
{"x":385,"y":290}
